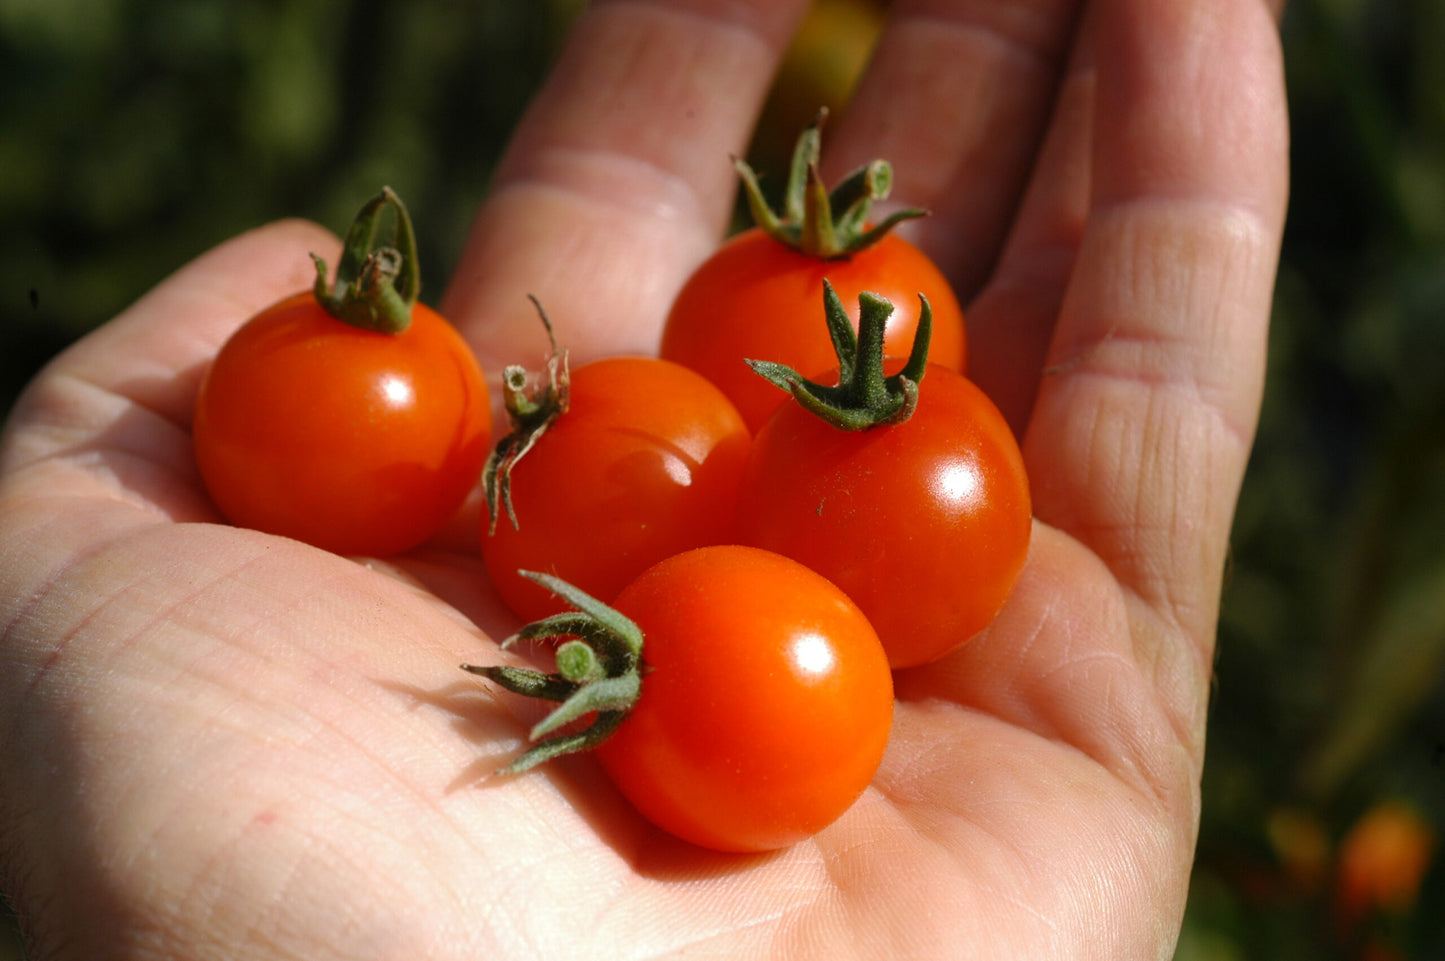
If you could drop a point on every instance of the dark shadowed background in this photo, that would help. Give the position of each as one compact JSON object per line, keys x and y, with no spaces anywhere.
{"x":134,"y":134}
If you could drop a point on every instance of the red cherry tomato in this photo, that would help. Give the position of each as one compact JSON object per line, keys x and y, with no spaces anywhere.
{"x":757,"y":299}
{"x":924,"y":523}
{"x":644,"y":463}
{"x":355,"y":441}
{"x":765,"y":706}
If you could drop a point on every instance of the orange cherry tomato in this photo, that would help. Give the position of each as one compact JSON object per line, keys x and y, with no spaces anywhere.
{"x":925,"y":524}
{"x":355,"y":441}
{"x":755,"y":299}
{"x":923,"y":518}
{"x":756,"y":296}
{"x":644,"y":463}
{"x":765,"y":706}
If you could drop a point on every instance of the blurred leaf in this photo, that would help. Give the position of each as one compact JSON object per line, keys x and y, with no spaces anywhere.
{"x":1399,"y":665}
{"x":81,"y":25}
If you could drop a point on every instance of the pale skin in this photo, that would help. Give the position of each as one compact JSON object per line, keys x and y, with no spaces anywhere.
{"x":223,"y":745}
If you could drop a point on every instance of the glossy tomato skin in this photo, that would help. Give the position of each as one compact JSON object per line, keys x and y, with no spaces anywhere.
{"x":766,"y":700}
{"x":644,"y":464}
{"x":757,"y":299}
{"x":925,"y":523}
{"x":354,"y":441}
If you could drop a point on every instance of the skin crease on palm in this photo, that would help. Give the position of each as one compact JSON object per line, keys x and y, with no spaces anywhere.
{"x":223,"y":745}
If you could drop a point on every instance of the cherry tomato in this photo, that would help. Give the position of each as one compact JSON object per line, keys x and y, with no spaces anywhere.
{"x":756,"y":299}
{"x":355,"y":441}
{"x":924,"y":522}
{"x":644,"y":463}
{"x":765,"y":704}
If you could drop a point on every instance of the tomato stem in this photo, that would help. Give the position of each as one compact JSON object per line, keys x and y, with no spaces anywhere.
{"x":531,"y":408}
{"x":828,"y":225}
{"x":863,"y":397}
{"x":376,"y":286}
{"x":599,"y":671}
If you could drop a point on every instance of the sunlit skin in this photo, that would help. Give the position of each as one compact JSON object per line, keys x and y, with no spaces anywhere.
{"x":221,"y":744}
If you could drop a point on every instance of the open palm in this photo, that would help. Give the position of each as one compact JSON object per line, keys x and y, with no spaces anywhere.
{"x":221,"y":744}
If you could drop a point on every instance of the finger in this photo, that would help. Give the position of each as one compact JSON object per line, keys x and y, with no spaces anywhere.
{"x":1011,"y":321}
{"x":957,"y":97}
{"x":1144,"y":420}
{"x":618,"y":180}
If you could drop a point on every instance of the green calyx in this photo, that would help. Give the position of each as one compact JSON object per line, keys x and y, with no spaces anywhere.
{"x":599,"y":671}
{"x":532,"y":405}
{"x":863,"y":397}
{"x":815,"y":221}
{"x":376,"y":286}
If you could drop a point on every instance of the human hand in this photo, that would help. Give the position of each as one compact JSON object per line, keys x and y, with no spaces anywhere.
{"x":220,"y":744}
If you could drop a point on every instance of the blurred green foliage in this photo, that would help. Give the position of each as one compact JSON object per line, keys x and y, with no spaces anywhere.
{"x":136,"y":133}
{"x":1332,"y":640}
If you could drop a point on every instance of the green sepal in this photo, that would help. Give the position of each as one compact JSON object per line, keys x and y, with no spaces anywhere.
{"x":525,"y":681}
{"x":863,"y":397}
{"x":376,"y":287}
{"x":823,"y":224}
{"x":622,"y":637}
{"x":613,"y":694}
{"x":597,"y":732}
{"x":606,"y":683}
{"x":531,"y":408}
{"x":567,"y":623}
